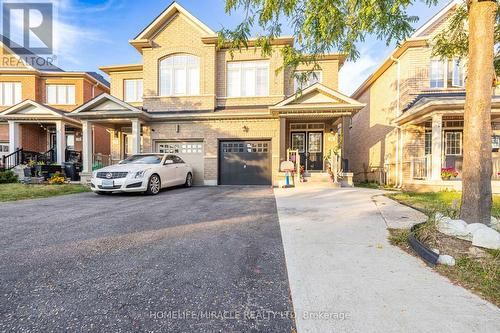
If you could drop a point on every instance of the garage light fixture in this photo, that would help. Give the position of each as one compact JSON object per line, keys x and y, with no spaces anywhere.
{"x":245,"y":129}
{"x":177,"y":128}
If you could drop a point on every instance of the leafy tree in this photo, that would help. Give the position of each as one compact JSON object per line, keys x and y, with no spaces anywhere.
{"x":323,"y":26}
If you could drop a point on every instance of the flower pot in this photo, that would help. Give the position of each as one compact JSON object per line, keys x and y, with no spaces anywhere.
{"x":46,"y":171}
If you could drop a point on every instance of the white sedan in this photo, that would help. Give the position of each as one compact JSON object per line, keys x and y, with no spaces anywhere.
{"x":147,"y":173}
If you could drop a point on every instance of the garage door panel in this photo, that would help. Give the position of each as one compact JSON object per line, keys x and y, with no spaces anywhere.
{"x":190,"y":152}
{"x":245,"y":163}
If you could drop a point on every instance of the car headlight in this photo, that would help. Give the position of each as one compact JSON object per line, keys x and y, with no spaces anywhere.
{"x":140,"y":174}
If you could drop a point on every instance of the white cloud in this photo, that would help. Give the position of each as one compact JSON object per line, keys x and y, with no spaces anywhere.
{"x":353,"y":74}
{"x":71,"y":34}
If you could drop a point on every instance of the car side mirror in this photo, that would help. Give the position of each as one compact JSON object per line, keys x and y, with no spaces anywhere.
{"x":168,"y":162}
{"x":120,"y":162}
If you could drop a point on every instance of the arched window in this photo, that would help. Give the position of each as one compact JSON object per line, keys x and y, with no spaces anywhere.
{"x":180,"y":75}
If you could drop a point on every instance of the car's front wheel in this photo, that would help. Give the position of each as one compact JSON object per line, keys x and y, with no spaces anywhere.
{"x":154,"y":185}
{"x":189,"y":180}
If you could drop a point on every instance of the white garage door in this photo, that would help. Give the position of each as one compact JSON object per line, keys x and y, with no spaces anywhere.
{"x":190,"y":152}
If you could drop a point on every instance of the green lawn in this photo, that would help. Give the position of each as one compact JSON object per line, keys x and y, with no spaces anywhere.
{"x":480,"y":274}
{"x":13,"y":192}
{"x":446,"y":202}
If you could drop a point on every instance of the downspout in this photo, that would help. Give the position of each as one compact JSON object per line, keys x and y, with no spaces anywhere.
{"x":399,"y":156}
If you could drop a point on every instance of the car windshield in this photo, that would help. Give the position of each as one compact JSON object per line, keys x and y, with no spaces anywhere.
{"x":143,"y":159}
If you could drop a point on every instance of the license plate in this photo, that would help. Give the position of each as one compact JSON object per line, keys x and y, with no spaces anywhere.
{"x":108,"y":183}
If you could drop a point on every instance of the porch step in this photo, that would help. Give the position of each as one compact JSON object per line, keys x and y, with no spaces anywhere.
{"x":317,"y":177}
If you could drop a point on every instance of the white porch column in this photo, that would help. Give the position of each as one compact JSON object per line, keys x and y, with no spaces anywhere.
{"x":60,"y":142}
{"x":136,"y":136}
{"x":14,"y":136}
{"x":437,"y":144}
{"x":282,"y":139}
{"x":87,"y":146}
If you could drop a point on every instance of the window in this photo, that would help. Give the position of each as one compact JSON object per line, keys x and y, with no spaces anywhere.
{"x":446,"y":74}
{"x":299,"y":142}
{"x":310,"y":79}
{"x":70,"y":141}
{"x":133,"y":90}
{"x":180,"y":76}
{"x":10,"y":93}
{"x":248,"y":78}
{"x":176,"y":159}
{"x":4,"y":147}
{"x":60,"y":94}
{"x":428,"y":143}
{"x":437,"y":74}
{"x":457,"y":73}
{"x":453,"y":143}
{"x":495,"y":143}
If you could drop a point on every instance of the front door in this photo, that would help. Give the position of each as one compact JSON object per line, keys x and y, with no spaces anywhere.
{"x":310,"y":148}
{"x":315,"y":151}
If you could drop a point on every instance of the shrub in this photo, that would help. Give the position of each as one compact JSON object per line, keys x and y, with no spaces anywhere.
{"x":57,"y":179}
{"x":7,"y":177}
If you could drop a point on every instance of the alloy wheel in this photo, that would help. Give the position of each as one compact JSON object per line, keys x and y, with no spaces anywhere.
{"x":154,"y":184}
{"x":189,"y":180}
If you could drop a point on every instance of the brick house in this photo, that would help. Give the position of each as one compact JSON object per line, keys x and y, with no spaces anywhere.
{"x":231,"y":117}
{"x":412,"y":124}
{"x":34,"y":107}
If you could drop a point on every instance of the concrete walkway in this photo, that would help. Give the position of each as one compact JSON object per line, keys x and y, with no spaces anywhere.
{"x":345,"y":276}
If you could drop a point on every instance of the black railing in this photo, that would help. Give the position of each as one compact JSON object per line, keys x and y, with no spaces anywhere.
{"x":22,"y":156}
{"x":12,"y":160}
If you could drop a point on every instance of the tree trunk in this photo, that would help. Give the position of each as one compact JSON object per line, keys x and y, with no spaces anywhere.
{"x":477,"y":164}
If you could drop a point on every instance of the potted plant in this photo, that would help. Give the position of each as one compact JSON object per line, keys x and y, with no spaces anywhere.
{"x":447,"y":173}
{"x":46,"y":170}
{"x":302,"y":171}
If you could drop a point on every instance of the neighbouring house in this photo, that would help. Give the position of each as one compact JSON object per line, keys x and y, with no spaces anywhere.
{"x":231,"y":116}
{"x":34,"y":108}
{"x":411,"y":127}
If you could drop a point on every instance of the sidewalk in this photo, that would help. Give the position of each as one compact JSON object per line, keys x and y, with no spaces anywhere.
{"x":345,"y":274}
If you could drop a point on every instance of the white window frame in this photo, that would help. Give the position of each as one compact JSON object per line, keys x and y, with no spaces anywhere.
{"x":239,"y":68}
{"x":66,"y":98}
{"x":15,"y":92}
{"x":457,"y":66}
{"x":169,"y":65}
{"x":444,"y":77}
{"x":309,"y":82}
{"x":137,"y":90}
{"x":447,"y":143}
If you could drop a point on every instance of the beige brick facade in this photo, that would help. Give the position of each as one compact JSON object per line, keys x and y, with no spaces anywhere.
{"x":380,"y":149}
{"x":212,"y":116}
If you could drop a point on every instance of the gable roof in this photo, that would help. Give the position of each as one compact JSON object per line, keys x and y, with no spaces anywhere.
{"x":418,"y":38}
{"x":43,"y":109}
{"x":107,"y":105}
{"x":318,"y":97}
{"x":165,"y":17}
{"x":34,"y":110}
{"x":438,"y":16}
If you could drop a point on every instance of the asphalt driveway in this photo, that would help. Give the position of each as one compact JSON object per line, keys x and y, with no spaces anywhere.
{"x":188,"y":260}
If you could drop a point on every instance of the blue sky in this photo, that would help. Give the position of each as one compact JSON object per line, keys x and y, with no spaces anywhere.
{"x":93,"y":33}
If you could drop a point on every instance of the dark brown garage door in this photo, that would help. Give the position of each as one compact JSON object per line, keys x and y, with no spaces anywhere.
{"x":245,"y":163}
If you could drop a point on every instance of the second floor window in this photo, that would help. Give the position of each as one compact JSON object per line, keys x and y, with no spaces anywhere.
{"x":248,"y":78}
{"x":133,"y":90}
{"x":61,"y":94}
{"x":180,"y":75}
{"x":437,"y":74}
{"x":446,"y":74}
{"x":310,"y":79}
{"x":10,"y":93}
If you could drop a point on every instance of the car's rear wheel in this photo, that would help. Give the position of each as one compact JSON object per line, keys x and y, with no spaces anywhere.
{"x":154,"y":185}
{"x":189,"y":180}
